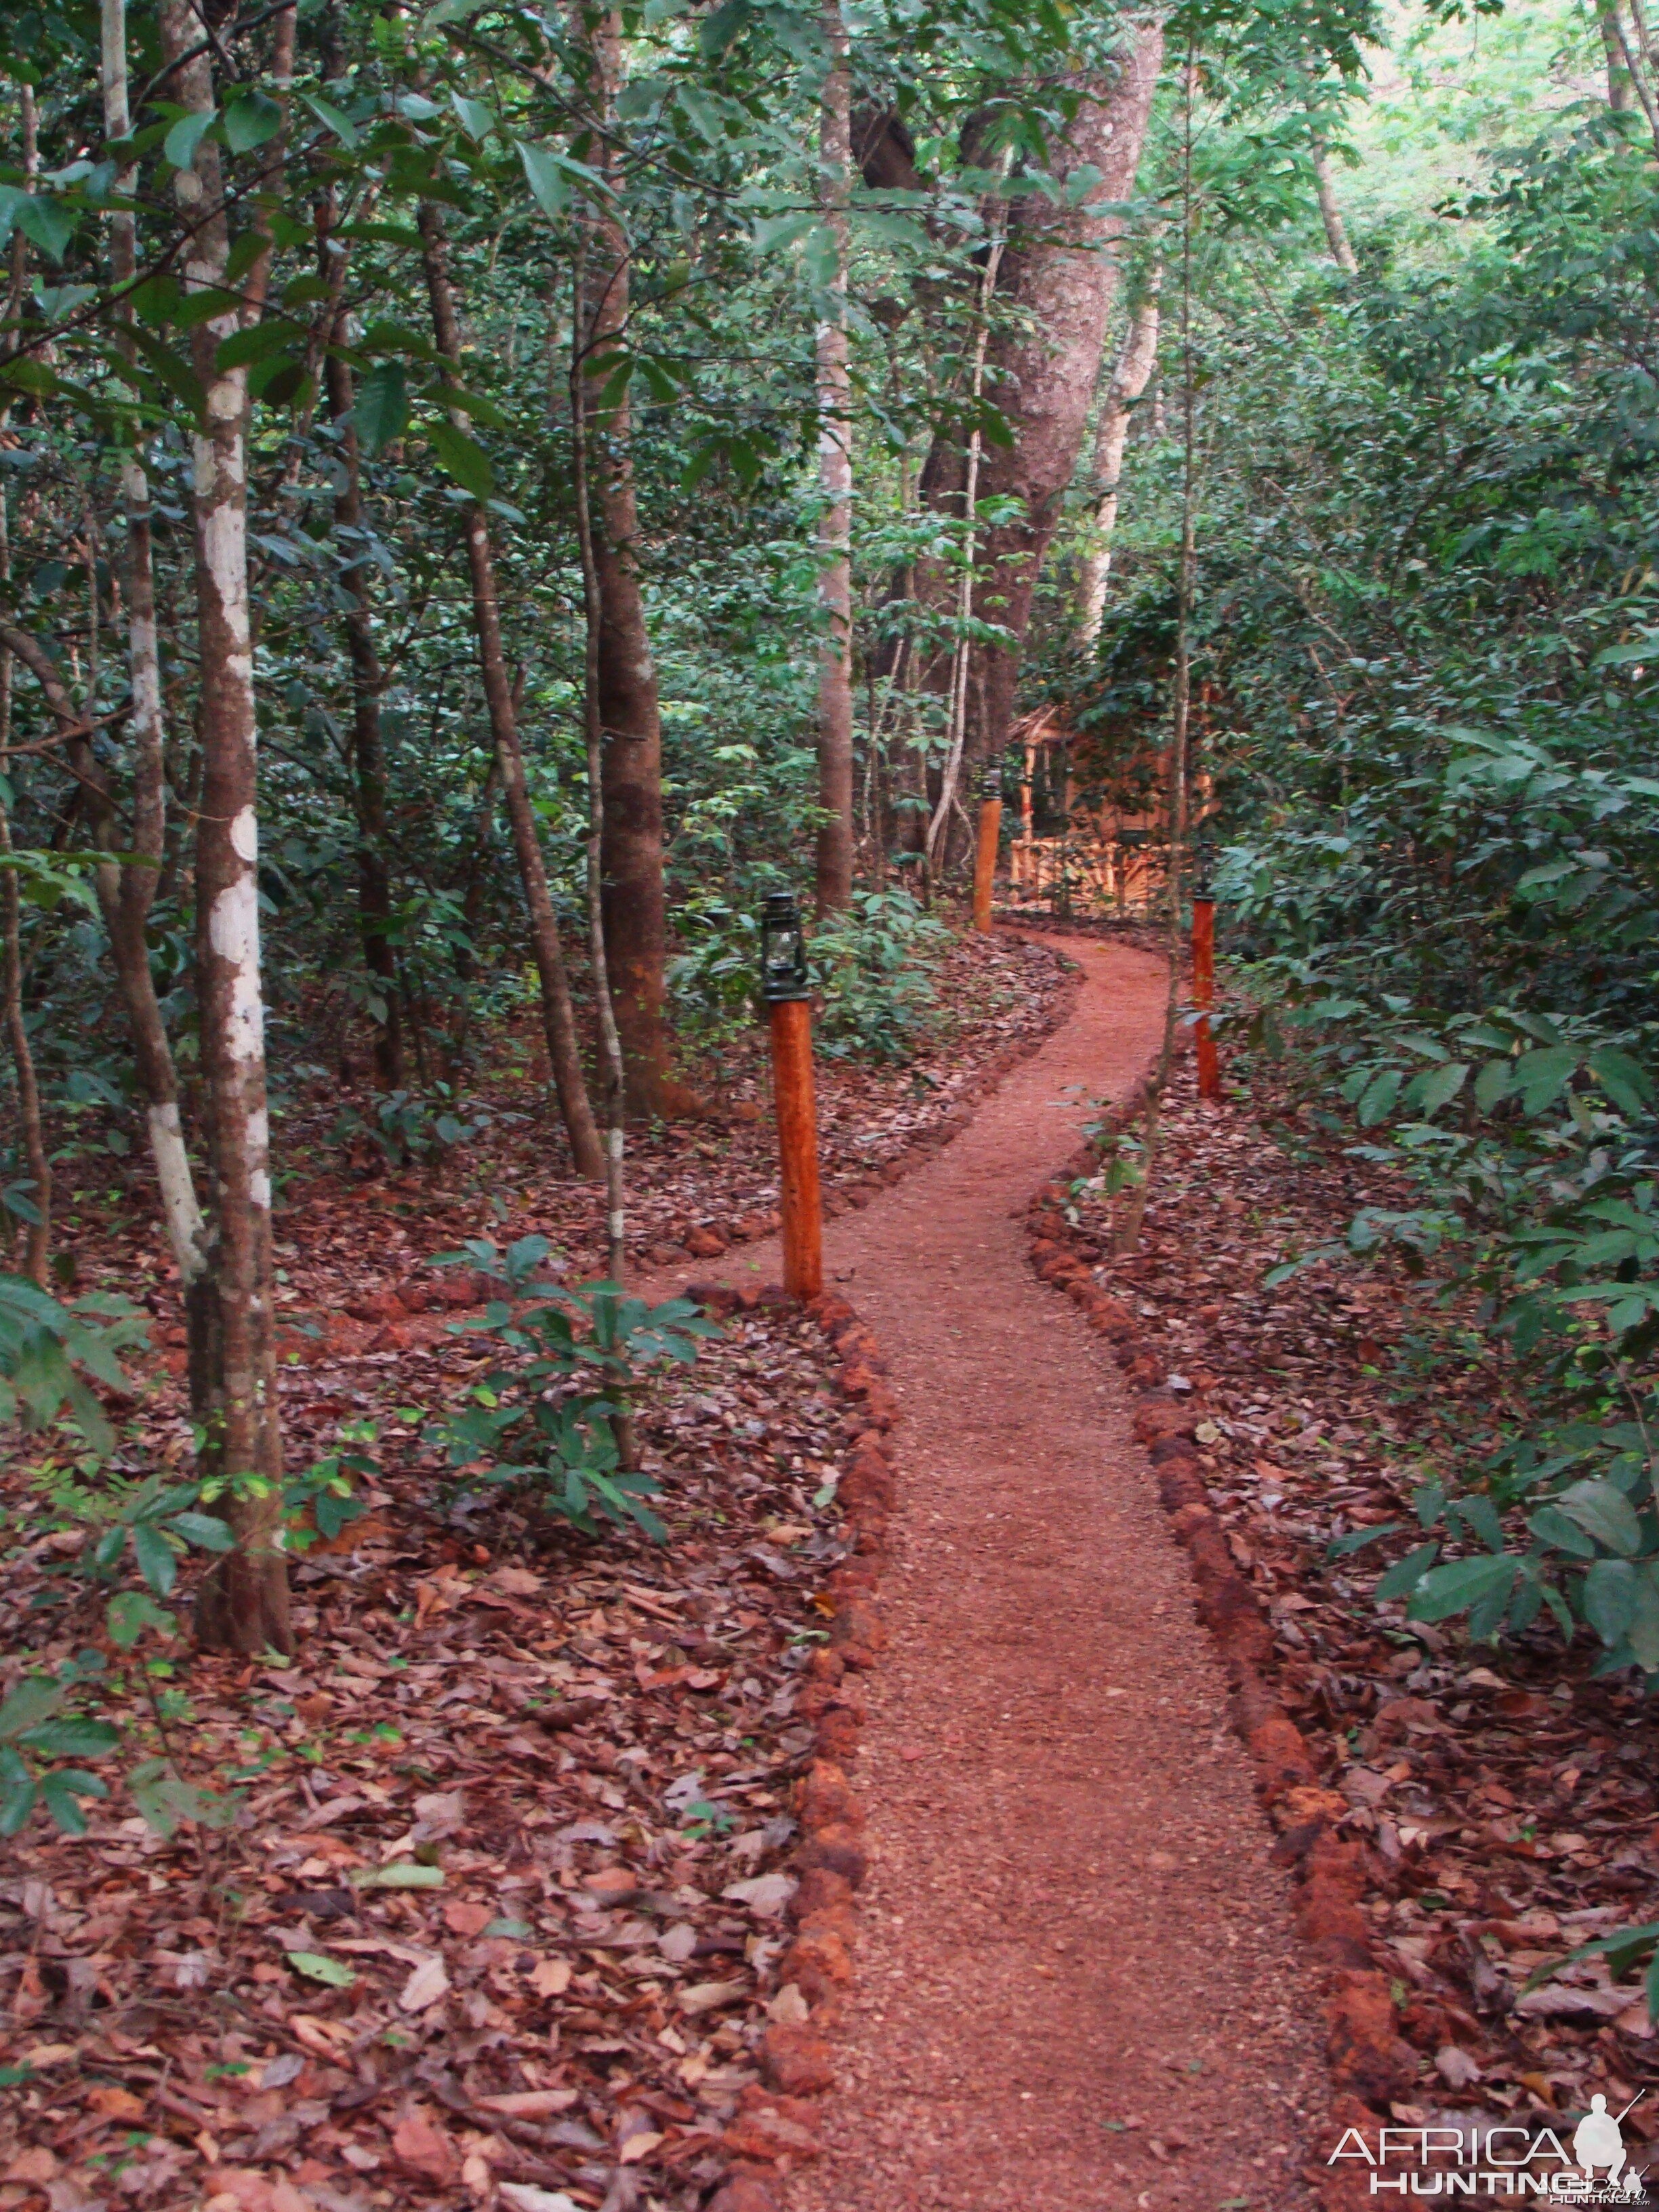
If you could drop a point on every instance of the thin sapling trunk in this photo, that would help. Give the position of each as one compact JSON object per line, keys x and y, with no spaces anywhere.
{"x":835,"y":842}
{"x":558,"y":1015}
{"x":1128,"y":1234}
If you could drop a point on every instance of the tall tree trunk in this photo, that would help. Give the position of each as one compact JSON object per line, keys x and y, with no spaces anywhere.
{"x":1330,"y":213}
{"x":558,"y":1016}
{"x":244,"y":1605}
{"x":613,"y":1073}
{"x":835,"y":854}
{"x":938,"y":829}
{"x":37,"y":1233}
{"x":1060,"y":275}
{"x":368,"y":769}
{"x":128,"y":891}
{"x":1129,"y":379}
{"x":37,"y":1240}
{"x":1639,"y":59}
{"x":36,"y":1228}
{"x":1618,"y":93}
{"x":634,"y":898}
{"x":1126,"y":1233}
{"x":29,"y":130}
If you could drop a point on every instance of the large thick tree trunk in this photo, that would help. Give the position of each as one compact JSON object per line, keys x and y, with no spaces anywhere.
{"x":558,"y":1016}
{"x":835,"y":853}
{"x":369,"y":769}
{"x":244,"y":1605}
{"x":1129,"y":379}
{"x":634,"y":899}
{"x":1060,"y":273}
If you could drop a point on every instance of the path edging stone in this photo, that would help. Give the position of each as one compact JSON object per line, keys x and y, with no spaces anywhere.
{"x":1370,"y":2066}
{"x":775,"y":2126}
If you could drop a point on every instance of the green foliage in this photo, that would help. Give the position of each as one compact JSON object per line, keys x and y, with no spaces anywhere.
{"x":47,"y":1350}
{"x":1423,"y":639}
{"x":873,"y":967}
{"x":407,"y":1129}
{"x":573,"y":1364}
{"x":715,"y":980}
{"x":1625,"y":1950}
{"x":324,"y":1499}
{"x":38,"y":1722}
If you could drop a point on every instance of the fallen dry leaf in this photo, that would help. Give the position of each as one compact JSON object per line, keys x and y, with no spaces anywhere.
{"x":115,"y":2104}
{"x":426,"y":1984}
{"x":709,"y":1997}
{"x":424,"y":2150}
{"x":528,"y":2104}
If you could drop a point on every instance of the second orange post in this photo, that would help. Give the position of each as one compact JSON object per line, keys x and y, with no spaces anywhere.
{"x":1209,"y":1066}
{"x":985,"y":860}
{"x":787,"y":989}
{"x":798,"y":1148}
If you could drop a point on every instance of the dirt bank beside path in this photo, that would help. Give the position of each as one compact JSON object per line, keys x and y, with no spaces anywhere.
{"x":1078,"y":1988}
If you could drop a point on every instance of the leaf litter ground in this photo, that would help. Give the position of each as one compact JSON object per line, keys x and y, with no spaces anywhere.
{"x":1508,"y":1803}
{"x":500,"y":1910}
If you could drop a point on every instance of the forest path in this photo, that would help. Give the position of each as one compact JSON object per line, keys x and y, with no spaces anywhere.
{"x":1078,"y":1992}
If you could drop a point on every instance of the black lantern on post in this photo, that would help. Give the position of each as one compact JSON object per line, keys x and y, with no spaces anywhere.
{"x":783,"y":951}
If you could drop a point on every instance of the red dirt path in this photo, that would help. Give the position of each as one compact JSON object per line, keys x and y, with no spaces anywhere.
{"x":1078,"y":1987}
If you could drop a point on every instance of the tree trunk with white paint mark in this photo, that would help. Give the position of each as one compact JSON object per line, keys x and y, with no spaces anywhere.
{"x":834,"y":849}
{"x":1129,"y":381}
{"x":244,"y":1605}
{"x":558,"y":1016}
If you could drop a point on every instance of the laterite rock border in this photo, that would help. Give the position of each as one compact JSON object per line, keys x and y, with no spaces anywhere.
{"x":1371,"y":2067}
{"x":775,"y":2127}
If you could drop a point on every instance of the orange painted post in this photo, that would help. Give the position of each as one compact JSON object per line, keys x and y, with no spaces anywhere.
{"x":985,"y":860}
{"x":785,"y":986}
{"x":1209,"y":1066}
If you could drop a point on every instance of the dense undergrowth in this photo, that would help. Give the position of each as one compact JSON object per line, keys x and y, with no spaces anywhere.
{"x":1423,"y":635}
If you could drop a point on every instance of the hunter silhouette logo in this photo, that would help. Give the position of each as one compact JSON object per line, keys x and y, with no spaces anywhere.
{"x":1479,"y":2158}
{"x":1598,"y":2140}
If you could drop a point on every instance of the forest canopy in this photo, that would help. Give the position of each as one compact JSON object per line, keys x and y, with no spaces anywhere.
{"x":488,"y":495}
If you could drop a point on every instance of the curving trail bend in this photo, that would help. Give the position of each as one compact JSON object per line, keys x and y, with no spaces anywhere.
{"x":1078,"y":1987}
